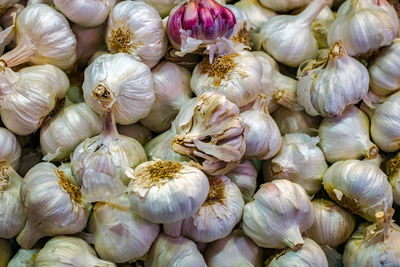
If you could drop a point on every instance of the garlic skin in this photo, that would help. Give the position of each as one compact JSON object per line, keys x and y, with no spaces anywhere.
{"x":28,"y":96}
{"x":328,"y":89}
{"x":321,"y":25}
{"x":393,"y":171}
{"x":170,"y":251}
{"x":356,"y":27}
{"x":309,"y":255}
{"x":5,"y":4}
{"x":136,"y":131}
{"x":334,"y":258}
{"x":256,"y":13}
{"x":218,"y":215}
{"x":284,"y":5}
{"x":61,"y":134}
{"x":290,"y":212}
{"x":298,"y":150}
{"x":128,"y":81}
{"x":136,"y":28}
{"x":332,"y":225}
{"x":40,"y":42}
{"x":52,"y":203}
{"x":12,"y":217}
{"x":358,"y":186}
{"x":234,"y":250}
{"x":163,"y":7}
{"x":24,"y":258}
{"x":10,"y":148}
{"x":120,"y":235}
{"x":280,"y":33}
{"x":245,"y":177}
{"x":172,"y":90}
{"x":292,"y":121}
{"x":237,"y":76}
{"x":85,"y":13}
{"x":384,"y":70}
{"x":69,"y":251}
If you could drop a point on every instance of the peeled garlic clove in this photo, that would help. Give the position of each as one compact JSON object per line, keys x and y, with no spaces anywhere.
{"x":292,"y":121}
{"x":284,"y":5}
{"x":245,"y":177}
{"x":289,"y":210}
{"x":6,"y":252}
{"x":392,"y":168}
{"x":347,"y":136}
{"x":53,"y":204}
{"x":24,"y":258}
{"x":163,"y":7}
{"x":309,"y":255}
{"x":218,"y":215}
{"x":170,"y":251}
{"x":332,"y":225}
{"x":10,"y":148}
{"x":136,"y":28}
{"x":330,"y":88}
{"x":120,"y":235}
{"x":298,"y":150}
{"x":69,"y":251}
{"x":128,"y":82}
{"x":234,"y":250}
{"x":136,"y":131}
{"x":256,"y":13}
{"x":358,"y":186}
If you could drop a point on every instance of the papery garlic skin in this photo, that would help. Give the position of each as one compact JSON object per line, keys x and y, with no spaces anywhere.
{"x":170,"y":251}
{"x":10,"y":148}
{"x":24,"y":258}
{"x":129,"y":82}
{"x":358,"y":186}
{"x":136,"y":131}
{"x":321,"y":25}
{"x":245,"y":177}
{"x":136,"y":28}
{"x":237,"y":76}
{"x":289,"y":210}
{"x":297,"y":151}
{"x":292,"y":121}
{"x":393,"y":172}
{"x":332,"y":225}
{"x":284,"y":5}
{"x":256,"y":13}
{"x":235,"y":249}
{"x":163,"y":7}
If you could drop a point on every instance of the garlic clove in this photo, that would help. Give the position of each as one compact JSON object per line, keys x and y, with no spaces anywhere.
{"x":245,"y":177}
{"x":295,"y":121}
{"x":10,"y":148}
{"x":24,"y":258}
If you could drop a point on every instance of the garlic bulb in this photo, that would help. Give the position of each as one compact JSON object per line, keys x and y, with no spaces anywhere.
{"x":41,"y":42}
{"x":245,"y":177}
{"x":356,"y":26}
{"x":127,"y":81}
{"x":237,"y":76}
{"x":6,"y":252}
{"x":309,"y":255}
{"x":210,"y":131}
{"x":29,"y":96}
{"x":61,"y":134}
{"x":284,"y":5}
{"x":384,"y":70}
{"x":120,"y":235}
{"x":163,"y":7}
{"x":289,"y":39}
{"x":297,"y":151}
{"x":334,"y":258}
{"x":374,"y":244}
{"x":24,"y":258}
{"x":136,"y":28}
{"x":256,"y":13}
{"x":292,"y":121}
{"x":32,"y":2}
{"x":172,"y":90}
{"x":332,"y":225}
{"x":137,"y":131}
{"x":289,"y":210}
{"x":85,"y":13}
{"x":218,"y":215}
{"x":358,"y":186}
{"x":12,"y":217}
{"x":392,"y":168}
{"x":69,"y":251}
{"x":10,"y":148}
{"x":234,"y":250}
{"x":52,"y":203}
{"x":328,"y":89}
{"x":177,"y":252}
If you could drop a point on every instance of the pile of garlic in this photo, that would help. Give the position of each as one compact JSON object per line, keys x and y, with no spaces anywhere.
{"x":199,"y":133}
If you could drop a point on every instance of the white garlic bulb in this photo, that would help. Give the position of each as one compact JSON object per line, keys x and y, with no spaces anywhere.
{"x":219,"y":213}
{"x":69,"y":251}
{"x":292,"y":121}
{"x":28,"y":96}
{"x":6,"y":252}
{"x":85,"y":13}
{"x":52,"y":203}
{"x":284,"y":5}
{"x":256,"y":13}
{"x":289,"y":39}
{"x":127,"y":81}
{"x":172,"y":90}
{"x":332,"y":225}
{"x":120,"y":235}
{"x":136,"y":28}
{"x":328,"y":89}
{"x":289,"y":210}
{"x":310,"y":255}
{"x":297,"y":151}
{"x":177,"y":252}
{"x":163,"y":7}
{"x":12,"y":217}
{"x":136,"y":131}
{"x":237,"y":76}
{"x":10,"y":148}
{"x":245,"y":177}
{"x":41,"y":42}
{"x":384,"y":70}
{"x":24,"y":258}
{"x":234,"y":250}
{"x":356,"y":27}
{"x":359,"y":186}
{"x":61,"y":134}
